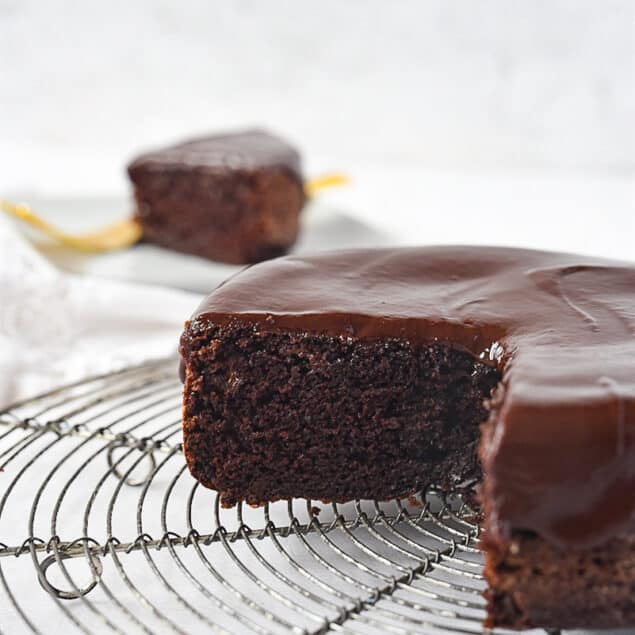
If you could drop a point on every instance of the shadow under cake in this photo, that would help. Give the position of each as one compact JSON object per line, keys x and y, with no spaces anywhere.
{"x":373,"y":373}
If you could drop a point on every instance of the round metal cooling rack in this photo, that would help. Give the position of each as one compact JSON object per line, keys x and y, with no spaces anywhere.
{"x":102,"y":529}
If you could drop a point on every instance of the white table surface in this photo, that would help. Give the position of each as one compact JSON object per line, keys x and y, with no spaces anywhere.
{"x":391,"y":204}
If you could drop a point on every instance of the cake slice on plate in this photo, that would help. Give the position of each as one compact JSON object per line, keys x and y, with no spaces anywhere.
{"x":233,"y":197}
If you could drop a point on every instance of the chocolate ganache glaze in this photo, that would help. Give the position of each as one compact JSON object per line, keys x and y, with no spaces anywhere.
{"x":558,"y":451}
{"x":246,"y":150}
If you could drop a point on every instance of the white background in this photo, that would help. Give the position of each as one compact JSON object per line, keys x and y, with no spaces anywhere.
{"x":501,"y":121}
{"x":459,"y":84}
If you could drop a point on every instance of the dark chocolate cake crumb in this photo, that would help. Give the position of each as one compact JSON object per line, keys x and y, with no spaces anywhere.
{"x":529,"y":577}
{"x":273,"y":416}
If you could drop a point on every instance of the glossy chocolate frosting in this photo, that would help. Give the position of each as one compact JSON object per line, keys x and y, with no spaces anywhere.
{"x":244,"y":150}
{"x":559,"y":450}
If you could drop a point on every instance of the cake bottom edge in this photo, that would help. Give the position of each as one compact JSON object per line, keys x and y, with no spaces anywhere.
{"x":534,"y":584}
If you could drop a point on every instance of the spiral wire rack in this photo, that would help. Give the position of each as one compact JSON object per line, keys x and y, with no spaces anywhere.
{"x":102,"y":529}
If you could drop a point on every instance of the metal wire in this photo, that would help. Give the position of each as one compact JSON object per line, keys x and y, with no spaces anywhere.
{"x":103,"y":530}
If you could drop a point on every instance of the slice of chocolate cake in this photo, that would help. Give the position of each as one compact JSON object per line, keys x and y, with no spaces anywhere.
{"x":234,"y":197}
{"x":372,"y":373}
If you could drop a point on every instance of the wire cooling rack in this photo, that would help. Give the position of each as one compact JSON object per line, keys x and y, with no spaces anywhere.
{"x":102,"y":529}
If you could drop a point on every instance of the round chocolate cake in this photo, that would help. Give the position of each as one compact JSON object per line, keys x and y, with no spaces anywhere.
{"x":372,"y":373}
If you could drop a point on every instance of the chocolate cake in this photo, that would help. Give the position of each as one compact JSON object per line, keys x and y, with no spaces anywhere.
{"x":233,"y":197}
{"x":372,"y":373}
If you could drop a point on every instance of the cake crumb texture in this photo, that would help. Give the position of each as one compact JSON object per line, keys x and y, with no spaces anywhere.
{"x":271,"y":416}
